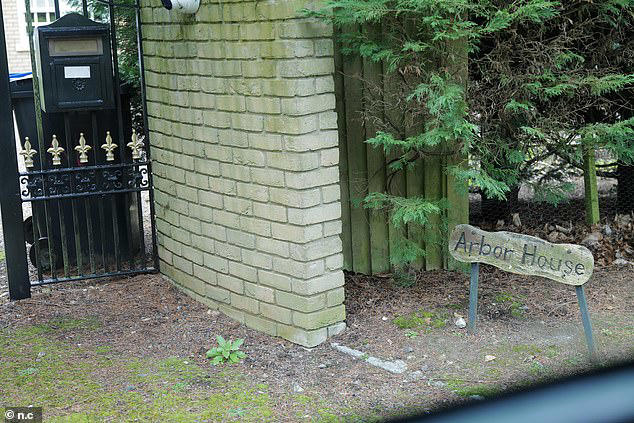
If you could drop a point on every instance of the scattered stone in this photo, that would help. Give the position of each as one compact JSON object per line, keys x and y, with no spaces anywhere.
{"x":41,"y":354}
{"x":384,"y":318}
{"x":622,"y":219}
{"x":130,"y":388}
{"x":563,"y":229}
{"x":607,"y":230}
{"x":489,"y":358}
{"x":414,"y":376}
{"x":437,"y":383}
{"x":516,"y":220}
{"x":620,"y":262}
{"x":554,"y":236}
{"x":297,"y":388}
{"x":408,"y":350}
{"x":476,"y":397}
{"x":411,"y":357}
{"x":500,"y":224}
{"x":460,"y":323}
{"x":322,"y":366}
{"x":396,"y":366}
{"x":424,"y":368}
{"x":592,"y":240}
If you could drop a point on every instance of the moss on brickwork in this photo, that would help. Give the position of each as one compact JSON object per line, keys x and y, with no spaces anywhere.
{"x":244,"y":137}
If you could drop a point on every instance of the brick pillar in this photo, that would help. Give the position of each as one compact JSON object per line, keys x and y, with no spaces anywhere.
{"x":244,"y":136}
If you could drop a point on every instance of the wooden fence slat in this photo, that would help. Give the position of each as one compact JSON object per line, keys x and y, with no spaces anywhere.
{"x":346,"y":237}
{"x":369,"y":238}
{"x":357,"y":165}
{"x":379,"y":241}
{"x":414,"y":180}
{"x":458,"y":211}
{"x":433,"y":191}
{"x":397,"y":184}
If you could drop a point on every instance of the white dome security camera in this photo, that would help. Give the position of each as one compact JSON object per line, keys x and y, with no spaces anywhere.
{"x":183,"y":6}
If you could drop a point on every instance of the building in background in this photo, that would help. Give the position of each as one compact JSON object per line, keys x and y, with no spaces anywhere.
{"x":43,"y":13}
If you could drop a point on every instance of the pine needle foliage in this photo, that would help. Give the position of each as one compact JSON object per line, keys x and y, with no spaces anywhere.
{"x":510,"y":85}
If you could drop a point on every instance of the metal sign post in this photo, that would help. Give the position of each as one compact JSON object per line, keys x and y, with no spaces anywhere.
{"x":585,"y":317}
{"x":524,"y":255}
{"x":473,"y":296}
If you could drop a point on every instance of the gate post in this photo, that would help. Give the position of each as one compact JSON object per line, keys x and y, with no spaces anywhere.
{"x":10,"y":201}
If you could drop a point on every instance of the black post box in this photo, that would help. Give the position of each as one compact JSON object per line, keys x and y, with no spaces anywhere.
{"x":74,"y":65}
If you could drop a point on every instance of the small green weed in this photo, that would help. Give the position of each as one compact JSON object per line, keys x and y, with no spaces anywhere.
{"x":226,"y":350}
{"x":411,"y":334}
{"x":438,"y":323}
{"x":516,"y":307}
{"x":503,"y":297}
{"x":552,"y":351}
{"x":537,"y":369}
{"x":404,"y":278}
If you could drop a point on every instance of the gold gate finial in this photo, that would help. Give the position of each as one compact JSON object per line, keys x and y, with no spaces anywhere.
{"x":82,"y":149}
{"x":109,"y":147}
{"x":135,"y":145}
{"x":56,"y":151}
{"x":28,"y":153}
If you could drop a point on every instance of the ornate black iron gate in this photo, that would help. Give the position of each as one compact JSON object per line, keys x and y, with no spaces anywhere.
{"x":85,"y":176}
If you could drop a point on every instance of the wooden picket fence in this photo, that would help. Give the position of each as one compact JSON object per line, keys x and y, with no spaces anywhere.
{"x":368,"y":237}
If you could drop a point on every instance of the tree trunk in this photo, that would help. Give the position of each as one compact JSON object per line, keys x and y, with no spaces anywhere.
{"x":494,"y":209}
{"x":625,"y":189}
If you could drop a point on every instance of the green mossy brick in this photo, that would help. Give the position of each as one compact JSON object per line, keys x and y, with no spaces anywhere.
{"x":247,"y":304}
{"x":307,"y":338}
{"x":264,"y":325}
{"x":300,"y":303}
{"x":275,"y":280}
{"x":320,"y":319}
{"x":276,"y":313}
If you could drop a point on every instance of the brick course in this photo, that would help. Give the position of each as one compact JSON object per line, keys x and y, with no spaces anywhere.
{"x":243,"y":132}
{"x":19,"y":59}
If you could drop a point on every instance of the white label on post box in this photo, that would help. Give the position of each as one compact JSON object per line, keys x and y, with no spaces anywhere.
{"x":71,"y":72}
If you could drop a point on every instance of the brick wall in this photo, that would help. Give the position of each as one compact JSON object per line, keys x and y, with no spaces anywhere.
{"x":244,"y":137}
{"x":19,"y":61}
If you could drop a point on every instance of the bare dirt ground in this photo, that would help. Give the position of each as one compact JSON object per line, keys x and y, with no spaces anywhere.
{"x":133,"y":349}
{"x":531,"y":326}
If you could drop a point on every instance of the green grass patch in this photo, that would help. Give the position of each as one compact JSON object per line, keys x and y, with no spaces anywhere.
{"x":516,"y":306}
{"x":81,"y":384}
{"x":530,"y":349}
{"x":552,"y":351}
{"x":483,"y":390}
{"x":464,"y":389}
{"x":421,"y":320}
{"x":104,"y":349}
{"x":409,"y":321}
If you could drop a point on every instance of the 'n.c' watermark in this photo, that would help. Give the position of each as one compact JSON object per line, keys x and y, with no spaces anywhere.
{"x":23,"y":414}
